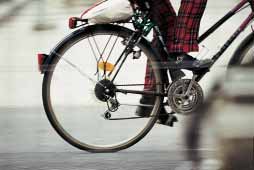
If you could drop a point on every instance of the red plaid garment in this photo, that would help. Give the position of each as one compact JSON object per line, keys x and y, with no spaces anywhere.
{"x":180,"y":32}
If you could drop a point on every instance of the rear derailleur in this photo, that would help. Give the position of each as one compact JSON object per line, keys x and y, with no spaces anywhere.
{"x":113,"y":106}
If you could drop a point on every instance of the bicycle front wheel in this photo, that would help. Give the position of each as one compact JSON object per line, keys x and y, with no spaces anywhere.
{"x":244,"y":54}
{"x":72,"y":97}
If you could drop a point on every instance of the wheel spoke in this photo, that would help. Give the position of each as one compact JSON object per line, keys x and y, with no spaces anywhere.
{"x":92,"y":48}
{"x":103,"y":51}
{"x":97,"y":60}
{"x":97,"y":47}
{"x":75,"y":104}
{"x":79,"y":70}
{"x":111,"y":50}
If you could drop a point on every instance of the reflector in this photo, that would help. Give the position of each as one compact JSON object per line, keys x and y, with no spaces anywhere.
{"x":106,"y":66}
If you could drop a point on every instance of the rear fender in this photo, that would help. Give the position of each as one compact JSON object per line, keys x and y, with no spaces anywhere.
{"x":60,"y":48}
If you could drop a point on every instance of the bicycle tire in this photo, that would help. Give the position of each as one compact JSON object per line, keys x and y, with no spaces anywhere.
{"x":54,"y":58}
{"x":242,"y":54}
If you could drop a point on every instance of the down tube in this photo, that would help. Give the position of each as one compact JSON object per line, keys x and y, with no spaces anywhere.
{"x":230,"y":41}
{"x":234,"y":36}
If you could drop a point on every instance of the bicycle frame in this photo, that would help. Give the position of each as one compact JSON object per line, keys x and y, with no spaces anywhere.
{"x":240,"y":6}
{"x":199,"y":75}
{"x":241,"y":28}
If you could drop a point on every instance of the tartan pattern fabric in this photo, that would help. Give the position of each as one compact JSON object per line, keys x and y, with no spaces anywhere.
{"x":149,"y":78}
{"x":149,"y":75}
{"x":180,"y":32}
{"x":187,"y":26}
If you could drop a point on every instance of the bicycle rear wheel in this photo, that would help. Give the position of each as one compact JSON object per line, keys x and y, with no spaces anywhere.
{"x":75,"y":108}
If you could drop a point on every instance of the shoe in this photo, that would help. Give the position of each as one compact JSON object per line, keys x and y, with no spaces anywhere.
{"x":176,"y":74}
{"x":191,"y":62}
{"x":142,"y":110}
{"x":167,"y":119}
{"x":182,"y":56}
{"x":164,"y":118}
{"x":185,"y":61}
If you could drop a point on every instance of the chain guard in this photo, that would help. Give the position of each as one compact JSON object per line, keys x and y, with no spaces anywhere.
{"x":182,"y":103}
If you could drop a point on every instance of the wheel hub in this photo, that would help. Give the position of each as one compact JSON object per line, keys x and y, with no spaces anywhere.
{"x":104,"y":89}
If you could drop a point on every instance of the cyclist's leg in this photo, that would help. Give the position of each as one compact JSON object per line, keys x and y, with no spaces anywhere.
{"x":187,"y":26}
{"x":179,"y":32}
{"x":164,"y":15}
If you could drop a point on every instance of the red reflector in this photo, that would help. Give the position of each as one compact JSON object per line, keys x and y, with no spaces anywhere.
{"x":72,"y":22}
{"x":41,"y":58}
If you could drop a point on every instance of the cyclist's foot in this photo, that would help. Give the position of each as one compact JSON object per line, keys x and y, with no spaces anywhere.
{"x":176,"y":74}
{"x":167,"y":119}
{"x":183,"y":56}
{"x":185,"y":61}
{"x":144,"y":111}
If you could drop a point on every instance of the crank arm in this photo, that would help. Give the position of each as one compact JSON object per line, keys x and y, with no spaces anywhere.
{"x":190,"y":85}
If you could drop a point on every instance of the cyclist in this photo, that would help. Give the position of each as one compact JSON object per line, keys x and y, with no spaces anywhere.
{"x":180,"y":32}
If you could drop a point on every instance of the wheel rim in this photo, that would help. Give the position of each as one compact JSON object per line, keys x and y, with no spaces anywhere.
{"x":82,"y":126}
{"x":247,"y":55}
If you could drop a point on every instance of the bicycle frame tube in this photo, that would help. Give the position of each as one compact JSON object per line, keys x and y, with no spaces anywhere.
{"x":222,"y":20}
{"x":235,"y":34}
{"x":241,"y":28}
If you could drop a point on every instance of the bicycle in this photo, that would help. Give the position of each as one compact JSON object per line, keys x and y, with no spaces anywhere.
{"x":107,"y":107}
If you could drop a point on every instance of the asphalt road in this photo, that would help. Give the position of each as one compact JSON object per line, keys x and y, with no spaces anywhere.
{"x":29,"y":142}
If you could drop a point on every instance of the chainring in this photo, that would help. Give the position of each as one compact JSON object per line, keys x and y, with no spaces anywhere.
{"x":182,"y":103}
